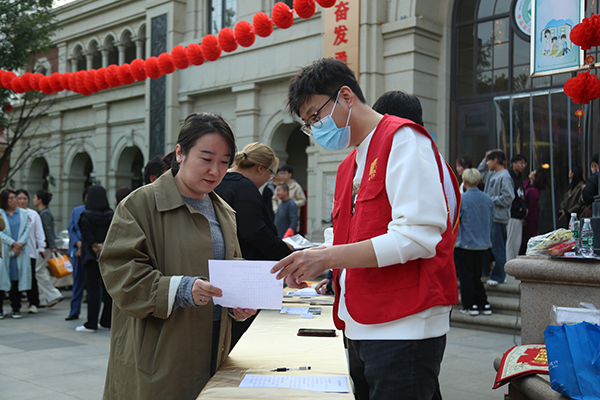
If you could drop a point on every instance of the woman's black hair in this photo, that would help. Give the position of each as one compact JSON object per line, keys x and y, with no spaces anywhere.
{"x":4,"y":198}
{"x":96,"y":199}
{"x":540,"y":180}
{"x":45,"y":196}
{"x":18,"y":192}
{"x":122,"y":192}
{"x":465,"y":161}
{"x":199,"y":124}
{"x":577,"y":176}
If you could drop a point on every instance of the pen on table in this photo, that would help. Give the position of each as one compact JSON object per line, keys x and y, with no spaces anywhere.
{"x":283,"y":369}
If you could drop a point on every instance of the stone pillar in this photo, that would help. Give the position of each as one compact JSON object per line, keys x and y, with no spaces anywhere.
{"x":102,"y":144}
{"x":105,"y":53}
{"x":139,"y":47}
{"x":158,"y":89}
{"x":121,"y":48}
{"x":89,"y":60}
{"x":73,"y":62}
{"x":247,"y":113}
{"x":63,"y":60}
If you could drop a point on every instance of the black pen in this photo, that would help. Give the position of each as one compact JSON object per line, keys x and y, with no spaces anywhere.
{"x":283,"y":369}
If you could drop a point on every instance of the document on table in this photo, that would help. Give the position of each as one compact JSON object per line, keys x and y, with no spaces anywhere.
{"x":332,"y":384}
{"x":246,"y":284}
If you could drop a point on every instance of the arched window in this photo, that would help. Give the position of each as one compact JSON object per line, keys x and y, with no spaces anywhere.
{"x":129,"y":46}
{"x":96,"y":55}
{"x":113,"y":53}
{"x":222,"y":13}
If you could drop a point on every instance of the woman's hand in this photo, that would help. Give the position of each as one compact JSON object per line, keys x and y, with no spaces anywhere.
{"x":16,"y":250}
{"x":18,"y":245}
{"x":242,"y":314}
{"x":203,"y":292}
{"x":321,"y":287}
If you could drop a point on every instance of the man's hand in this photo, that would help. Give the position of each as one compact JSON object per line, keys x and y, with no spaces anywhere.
{"x":302,"y":265}
{"x":242,"y":314}
{"x":321,"y":287}
{"x":203,"y":292}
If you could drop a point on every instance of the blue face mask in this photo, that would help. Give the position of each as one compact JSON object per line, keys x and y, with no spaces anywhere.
{"x":329,"y":136}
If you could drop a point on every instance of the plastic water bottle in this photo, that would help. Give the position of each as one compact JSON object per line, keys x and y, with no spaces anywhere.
{"x":574,"y":227}
{"x":587,"y":239}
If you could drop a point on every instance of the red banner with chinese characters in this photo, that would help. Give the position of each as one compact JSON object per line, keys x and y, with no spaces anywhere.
{"x":342,"y":33}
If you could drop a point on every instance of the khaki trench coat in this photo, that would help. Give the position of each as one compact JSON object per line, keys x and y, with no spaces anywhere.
{"x":155,"y":235}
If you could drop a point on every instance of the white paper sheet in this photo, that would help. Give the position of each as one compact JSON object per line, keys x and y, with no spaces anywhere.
{"x":332,"y":384}
{"x":246,"y":284}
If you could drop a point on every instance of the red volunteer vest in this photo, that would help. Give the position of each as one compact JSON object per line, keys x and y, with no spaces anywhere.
{"x":378,"y":295}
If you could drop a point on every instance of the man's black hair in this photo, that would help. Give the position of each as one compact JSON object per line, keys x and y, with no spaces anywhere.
{"x":517,"y":158}
{"x":325,"y":76}
{"x":400,"y":104}
{"x":286,"y":168}
{"x":497,"y":155}
{"x":595,"y":158}
{"x":154,"y":167}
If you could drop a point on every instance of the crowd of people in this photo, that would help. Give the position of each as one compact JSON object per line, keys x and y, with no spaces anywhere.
{"x":392,"y":259}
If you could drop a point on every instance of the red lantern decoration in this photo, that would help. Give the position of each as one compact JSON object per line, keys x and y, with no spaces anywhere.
{"x":25,"y":81}
{"x":227,"y":40}
{"x":263,"y":26}
{"x":7,"y":77}
{"x":283,"y":16}
{"x":152,"y":69}
{"x":124,"y":74}
{"x":112,"y":76}
{"x":194,"y":54}
{"x":16,"y":85}
{"x":305,"y":8}
{"x":136,"y":68}
{"x":89,"y":81}
{"x":55,"y":82}
{"x":73,"y":82}
{"x":64,"y":80}
{"x":100,"y":78}
{"x":45,"y":85}
{"x":244,"y":33}
{"x":587,"y":33}
{"x":34,"y":81}
{"x":210,"y":47}
{"x":579,"y":113}
{"x":80,"y":81}
{"x":583,"y":88}
{"x":165,"y":63}
{"x":326,"y":3}
{"x":179,"y":56}
{"x":8,"y":108}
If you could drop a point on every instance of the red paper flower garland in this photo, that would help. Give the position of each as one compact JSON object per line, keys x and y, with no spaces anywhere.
{"x":244,"y":34}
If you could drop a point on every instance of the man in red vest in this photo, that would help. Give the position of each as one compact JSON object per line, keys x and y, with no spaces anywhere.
{"x":394,"y":218}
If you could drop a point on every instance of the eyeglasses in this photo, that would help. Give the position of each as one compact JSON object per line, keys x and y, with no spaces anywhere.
{"x":313,"y":120}
{"x":271,"y":171}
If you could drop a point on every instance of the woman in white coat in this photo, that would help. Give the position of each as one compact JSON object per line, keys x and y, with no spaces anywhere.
{"x":15,"y":268}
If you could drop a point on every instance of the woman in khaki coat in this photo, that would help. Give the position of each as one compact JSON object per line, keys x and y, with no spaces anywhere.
{"x":154,"y":261}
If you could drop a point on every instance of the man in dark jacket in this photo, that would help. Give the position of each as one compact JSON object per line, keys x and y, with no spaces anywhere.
{"x":591,"y":184}
{"x":518,"y":210}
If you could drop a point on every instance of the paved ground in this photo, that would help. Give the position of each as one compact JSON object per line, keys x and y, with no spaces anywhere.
{"x":42,"y":357}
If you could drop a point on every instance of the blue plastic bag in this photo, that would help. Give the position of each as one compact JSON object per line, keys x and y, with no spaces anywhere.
{"x":574,"y":359}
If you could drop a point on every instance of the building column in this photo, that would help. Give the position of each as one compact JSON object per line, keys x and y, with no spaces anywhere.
{"x":247,"y":113}
{"x":63,"y":58}
{"x":105,"y":53}
{"x":139,"y":47}
{"x":121,"y":48}
{"x":89,"y":60}
{"x":73,"y":62}
{"x":102,"y":144}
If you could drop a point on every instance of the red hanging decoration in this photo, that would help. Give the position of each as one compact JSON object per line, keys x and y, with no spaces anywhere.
{"x":326,"y":3}
{"x":263,"y":26}
{"x":8,"y":108}
{"x":45,"y":85}
{"x":165,"y":63}
{"x":25,"y":81}
{"x":586,"y":34}
{"x":137,"y":69}
{"x":283,"y":16}
{"x":112,"y":76}
{"x":124,"y":74}
{"x":304,"y":8}
{"x":579,"y":113}
{"x":152,"y":69}
{"x":100,"y":78}
{"x":227,"y":40}
{"x":194,"y":54}
{"x":80,"y":82}
{"x":90,"y":81}
{"x":583,"y":88}
{"x":179,"y":56}
{"x":55,"y":82}
{"x":210,"y":47}
{"x":16,"y":85}
{"x":244,"y":33}
{"x":73,"y":82}
{"x":7,"y":78}
{"x":64,"y":80}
